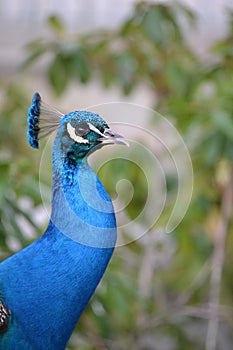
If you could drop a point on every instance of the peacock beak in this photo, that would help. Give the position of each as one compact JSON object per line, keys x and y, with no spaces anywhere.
{"x":111,"y":137}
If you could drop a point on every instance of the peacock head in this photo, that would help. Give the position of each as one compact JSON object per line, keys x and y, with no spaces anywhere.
{"x":78,"y":132}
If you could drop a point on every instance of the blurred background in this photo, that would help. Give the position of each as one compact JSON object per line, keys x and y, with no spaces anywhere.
{"x":161,"y":291}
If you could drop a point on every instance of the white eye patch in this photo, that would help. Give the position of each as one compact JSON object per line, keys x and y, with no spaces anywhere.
{"x":93,"y":128}
{"x":73,"y":136}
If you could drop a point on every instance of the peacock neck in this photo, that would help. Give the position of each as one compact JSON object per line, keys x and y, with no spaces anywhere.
{"x":61,"y":270}
{"x":81,"y":207}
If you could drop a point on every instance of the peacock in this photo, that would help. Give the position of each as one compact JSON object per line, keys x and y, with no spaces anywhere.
{"x":45,"y":287}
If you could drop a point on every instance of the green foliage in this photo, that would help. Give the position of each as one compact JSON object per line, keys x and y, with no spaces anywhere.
{"x":162,"y":304}
{"x":137,"y":51}
{"x":19,"y":173}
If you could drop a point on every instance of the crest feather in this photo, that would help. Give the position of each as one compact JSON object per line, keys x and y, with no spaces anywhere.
{"x":42,"y":120}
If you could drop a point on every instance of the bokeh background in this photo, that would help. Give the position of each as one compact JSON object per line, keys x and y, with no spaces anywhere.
{"x":162,"y":291}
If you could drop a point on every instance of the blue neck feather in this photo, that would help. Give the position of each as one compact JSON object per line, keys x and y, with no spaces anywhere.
{"x":59,"y":272}
{"x":91,"y":211}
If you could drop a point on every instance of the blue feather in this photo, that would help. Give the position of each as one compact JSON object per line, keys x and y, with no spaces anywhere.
{"x":42,"y":120}
{"x":33,"y":121}
{"x":46,"y":286}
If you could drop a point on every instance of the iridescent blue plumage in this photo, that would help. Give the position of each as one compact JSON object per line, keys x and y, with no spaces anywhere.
{"x":46,"y":286}
{"x":33,"y":121}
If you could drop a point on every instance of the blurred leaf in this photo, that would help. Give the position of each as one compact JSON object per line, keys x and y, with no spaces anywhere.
{"x":160,"y":25}
{"x":108,"y":77}
{"x":59,"y":73}
{"x":80,"y":66}
{"x":178,"y":78}
{"x":228,"y":150}
{"x":224,"y":48}
{"x":126,"y":69}
{"x":34,"y":56}
{"x":213,"y":148}
{"x":224,"y":123}
{"x":56,"y":24}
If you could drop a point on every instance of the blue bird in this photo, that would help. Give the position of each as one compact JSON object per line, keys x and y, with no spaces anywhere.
{"x":45,"y":287}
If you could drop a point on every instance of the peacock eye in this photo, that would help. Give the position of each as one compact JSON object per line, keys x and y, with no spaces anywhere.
{"x":82,"y":128}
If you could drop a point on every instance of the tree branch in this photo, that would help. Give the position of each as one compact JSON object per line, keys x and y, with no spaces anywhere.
{"x":217,"y":263}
